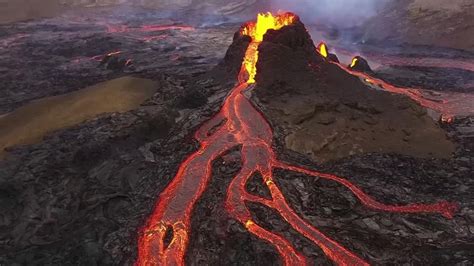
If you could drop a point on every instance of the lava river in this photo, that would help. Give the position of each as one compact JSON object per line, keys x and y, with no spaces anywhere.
{"x":239,"y":123}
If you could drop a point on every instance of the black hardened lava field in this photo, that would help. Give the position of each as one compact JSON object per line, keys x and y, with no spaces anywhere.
{"x":236,"y":133}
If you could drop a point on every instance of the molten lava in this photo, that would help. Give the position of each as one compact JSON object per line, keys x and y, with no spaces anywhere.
{"x":322,"y":49}
{"x":354,"y":62}
{"x":245,"y":126}
{"x":256,"y":30}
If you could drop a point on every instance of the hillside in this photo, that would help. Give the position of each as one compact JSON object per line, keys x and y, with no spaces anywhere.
{"x":425,"y":22}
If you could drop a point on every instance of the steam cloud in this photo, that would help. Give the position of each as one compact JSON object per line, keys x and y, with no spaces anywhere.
{"x":343,"y":13}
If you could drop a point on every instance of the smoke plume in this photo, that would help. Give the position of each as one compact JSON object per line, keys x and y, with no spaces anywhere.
{"x":341,"y":13}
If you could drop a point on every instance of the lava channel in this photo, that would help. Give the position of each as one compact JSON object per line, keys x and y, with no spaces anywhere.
{"x":449,"y":106}
{"x":245,"y":125}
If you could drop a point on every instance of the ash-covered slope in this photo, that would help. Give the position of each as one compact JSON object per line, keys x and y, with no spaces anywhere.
{"x":19,"y":10}
{"x":424,"y":22}
{"x":320,"y":110}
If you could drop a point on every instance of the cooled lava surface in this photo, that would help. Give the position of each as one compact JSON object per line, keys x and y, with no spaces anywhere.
{"x":202,"y":173}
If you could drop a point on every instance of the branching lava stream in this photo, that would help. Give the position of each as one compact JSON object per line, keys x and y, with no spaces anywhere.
{"x":246,"y":126}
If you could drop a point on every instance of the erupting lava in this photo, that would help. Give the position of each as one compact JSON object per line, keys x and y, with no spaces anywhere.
{"x":246,"y":126}
{"x":323,"y":49}
{"x":354,"y":62}
{"x":256,"y":30}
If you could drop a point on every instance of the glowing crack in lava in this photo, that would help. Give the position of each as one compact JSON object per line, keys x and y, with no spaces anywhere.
{"x":246,"y":126}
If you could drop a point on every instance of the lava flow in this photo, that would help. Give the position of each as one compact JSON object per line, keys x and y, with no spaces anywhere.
{"x":448,"y":111}
{"x":245,"y":126}
{"x":451,"y":105}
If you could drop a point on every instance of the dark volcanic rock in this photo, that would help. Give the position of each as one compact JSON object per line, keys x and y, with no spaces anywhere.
{"x":216,"y":238}
{"x":333,"y":58}
{"x":81,"y":196}
{"x":360,"y":64}
{"x":192,"y":99}
{"x":320,"y":110}
{"x":285,"y":56}
{"x":62,"y":54}
{"x":257,"y":186}
{"x":232,"y":63}
{"x":432,"y":78}
{"x":114,"y":62}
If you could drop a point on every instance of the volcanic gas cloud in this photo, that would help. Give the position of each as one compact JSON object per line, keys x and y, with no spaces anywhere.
{"x":239,"y":123}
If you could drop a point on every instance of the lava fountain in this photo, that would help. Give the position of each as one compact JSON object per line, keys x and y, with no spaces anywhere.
{"x":165,"y":236}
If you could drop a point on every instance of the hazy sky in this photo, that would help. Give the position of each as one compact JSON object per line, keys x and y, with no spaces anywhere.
{"x":341,"y":12}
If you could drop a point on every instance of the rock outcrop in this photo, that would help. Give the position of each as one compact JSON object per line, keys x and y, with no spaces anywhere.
{"x":320,"y":110}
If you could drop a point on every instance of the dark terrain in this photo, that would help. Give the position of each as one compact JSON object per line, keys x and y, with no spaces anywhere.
{"x":80,"y":196}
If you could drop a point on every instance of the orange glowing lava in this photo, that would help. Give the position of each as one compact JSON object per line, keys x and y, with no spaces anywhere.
{"x":323,"y":49}
{"x":256,"y":30}
{"x":245,"y":126}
